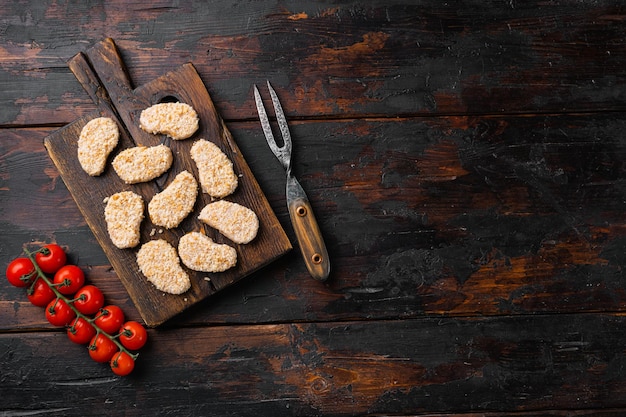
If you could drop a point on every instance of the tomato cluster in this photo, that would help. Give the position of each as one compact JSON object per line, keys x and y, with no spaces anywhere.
{"x":68,"y":302}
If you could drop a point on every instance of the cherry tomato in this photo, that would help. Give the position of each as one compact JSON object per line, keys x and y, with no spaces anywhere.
{"x":20,"y":272}
{"x":40,"y":294}
{"x":81,"y":331}
{"x":89,"y":299}
{"x":133,"y":335}
{"x":50,"y":258}
{"x":110,"y":319}
{"x":122,"y":364}
{"x":101,"y":348}
{"x":69,"y":279}
{"x":59,"y":313}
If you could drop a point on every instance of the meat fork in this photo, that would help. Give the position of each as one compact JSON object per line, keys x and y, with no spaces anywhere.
{"x":303,"y":220}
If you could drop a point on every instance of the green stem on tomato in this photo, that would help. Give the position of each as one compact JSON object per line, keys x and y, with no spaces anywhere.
{"x":101,"y":312}
{"x":114,"y":340}
{"x":65,"y":283}
{"x":53,"y":306}
{"x":42,"y":275}
{"x":80,"y":297}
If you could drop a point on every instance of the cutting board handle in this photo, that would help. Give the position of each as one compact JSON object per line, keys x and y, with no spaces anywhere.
{"x":102,"y":73}
{"x":108,"y":64}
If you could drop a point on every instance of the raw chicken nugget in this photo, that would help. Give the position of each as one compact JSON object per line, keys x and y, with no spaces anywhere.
{"x":123,"y":215}
{"x":236,"y":222}
{"x":200,"y":253}
{"x":142,"y":163}
{"x":215,"y":170}
{"x":96,"y":141}
{"x":169,"y":207}
{"x":176,"y":120}
{"x":159,"y":262}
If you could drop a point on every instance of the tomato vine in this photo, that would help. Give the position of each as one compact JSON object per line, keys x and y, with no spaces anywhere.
{"x":69,"y":302}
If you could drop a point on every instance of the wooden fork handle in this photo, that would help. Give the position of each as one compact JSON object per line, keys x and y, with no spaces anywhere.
{"x":308,"y":233}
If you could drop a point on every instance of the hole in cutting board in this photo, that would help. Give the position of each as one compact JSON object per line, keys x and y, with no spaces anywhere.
{"x":169,"y":99}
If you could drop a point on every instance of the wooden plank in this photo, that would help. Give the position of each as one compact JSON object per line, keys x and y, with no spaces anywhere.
{"x":539,"y":365}
{"x":458,"y":215}
{"x":90,"y":192}
{"x":429,"y":57}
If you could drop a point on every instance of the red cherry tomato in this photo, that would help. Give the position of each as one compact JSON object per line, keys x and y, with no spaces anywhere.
{"x":40,"y":294}
{"x":122,"y":364}
{"x":110,"y":319}
{"x":50,"y":258}
{"x":20,"y":272}
{"x":69,"y":279}
{"x":133,"y":335}
{"x":88,"y":300}
{"x":59,"y":313}
{"x":81,"y":331}
{"x":101,"y":348}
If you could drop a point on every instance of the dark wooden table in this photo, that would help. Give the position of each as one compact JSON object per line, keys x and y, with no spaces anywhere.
{"x":466,"y":164}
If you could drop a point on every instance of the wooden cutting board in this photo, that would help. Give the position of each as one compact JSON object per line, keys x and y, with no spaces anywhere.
{"x":103,"y":75}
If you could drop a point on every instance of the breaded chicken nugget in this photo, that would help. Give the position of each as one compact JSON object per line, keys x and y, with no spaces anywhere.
{"x":215,"y":170}
{"x":169,"y":207}
{"x":123,"y":215}
{"x":201,"y":253}
{"x":97,"y":140}
{"x":142,"y":163}
{"x":236,"y":222}
{"x":159,"y":262}
{"x":176,"y":120}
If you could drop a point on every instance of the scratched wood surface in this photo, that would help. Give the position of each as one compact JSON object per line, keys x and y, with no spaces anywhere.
{"x":466,"y":164}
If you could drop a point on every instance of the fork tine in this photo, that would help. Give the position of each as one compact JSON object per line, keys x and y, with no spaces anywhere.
{"x":265,"y":124}
{"x":282,"y":121}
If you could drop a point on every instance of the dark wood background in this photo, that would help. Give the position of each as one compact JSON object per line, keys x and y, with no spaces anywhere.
{"x":466,"y":163}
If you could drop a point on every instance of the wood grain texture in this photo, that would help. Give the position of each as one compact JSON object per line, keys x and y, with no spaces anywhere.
{"x":465,"y":161}
{"x":463,"y":216}
{"x":349,"y":368}
{"x":343,"y":59}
